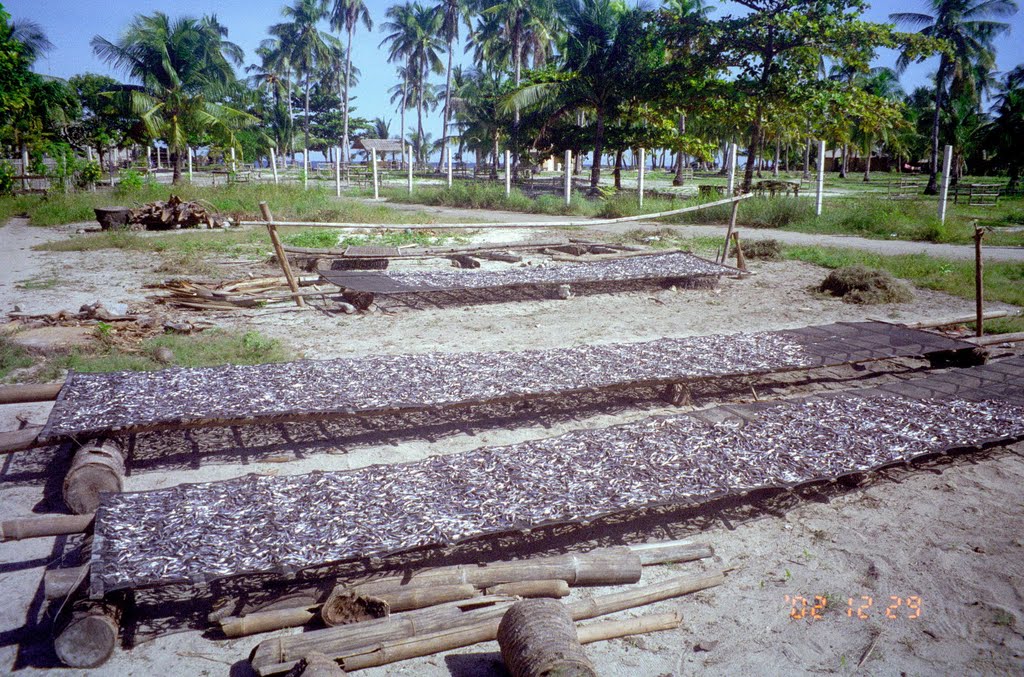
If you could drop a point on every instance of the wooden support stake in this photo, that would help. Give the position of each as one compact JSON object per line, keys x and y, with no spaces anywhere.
{"x":376,"y":186}
{"x":979,"y":281}
{"x":448,"y":151}
{"x":410,"y":168}
{"x":188,"y":154}
{"x":947,"y":166}
{"x":568,"y":177}
{"x":731,"y":187}
{"x":819,"y":195}
{"x":741,"y":262}
{"x":640,"y":177}
{"x":337,"y":171}
{"x":508,"y":174}
{"x":728,"y":232}
{"x":273,"y":163}
{"x":282,"y":257}
{"x":305,"y":168}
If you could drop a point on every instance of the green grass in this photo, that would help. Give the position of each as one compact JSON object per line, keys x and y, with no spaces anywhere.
{"x":12,"y":356}
{"x":326,"y":238}
{"x":38,"y":282}
{"x":210,"y":348}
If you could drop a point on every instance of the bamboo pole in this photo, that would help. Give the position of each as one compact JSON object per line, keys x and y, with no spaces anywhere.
{"x":503,"y":224}
{"x":979,"y":280}
{"x":20,"y":440}
{"x":508,"y":174}
{"x":604,"y":630}
{"x":281,"y":255}
{"x":529,"y":589}
{"x":21,"y":528}
{"x":273,"y":163}
{"x":995,"y":339}
{"x":930,"y":324}
{"x":820,"y":194}
{"x":19,"y":394}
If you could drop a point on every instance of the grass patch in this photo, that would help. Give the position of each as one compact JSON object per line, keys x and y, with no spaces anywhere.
{"x":867,"y":286}
{"x":765,"y":250}
{"x":38,"y":282}
{"x":12,"y":356}
{"x":327,"y":238}
{"x":210,"y":348}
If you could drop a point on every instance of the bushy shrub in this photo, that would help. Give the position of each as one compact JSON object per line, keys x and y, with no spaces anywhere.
{"x":868,"y":286}
{"x":6,"y":178}
{"x":129,"y":181}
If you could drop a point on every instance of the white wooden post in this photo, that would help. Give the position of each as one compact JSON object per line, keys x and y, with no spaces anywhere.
{"x":448,"y":150}
{"x":410,"y":168}
{"x":821,"y":178}
{"x":337,"y":171}
{"x":305,"y":168}
{"x":188,"y":152}
{"x":732,"y":169}
{"x":640,"y":176}
{"x":88,"y":153}
{"x":158,"y":165}
{"x":947,"y":165}
{"x":233,"y":164}
{"x":508,"y":174}
{"x":568,"y":177}
{"x":273,"y":163}
{"x":376,"y":188}
{"x":149,"y":157}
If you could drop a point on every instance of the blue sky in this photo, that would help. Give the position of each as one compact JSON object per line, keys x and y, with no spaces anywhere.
{"x":70,"y":24}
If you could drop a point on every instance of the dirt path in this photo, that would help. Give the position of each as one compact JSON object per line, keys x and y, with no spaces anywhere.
{"x":885,"y":247}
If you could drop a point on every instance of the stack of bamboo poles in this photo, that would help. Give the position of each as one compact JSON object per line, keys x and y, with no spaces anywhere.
{"x":400,"y":617}
{"x":232,"y":295}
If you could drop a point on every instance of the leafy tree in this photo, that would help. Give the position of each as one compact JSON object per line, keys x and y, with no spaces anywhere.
{"x":967,"y":28}
{"x":104,"y":124}
{"x":1008,"y":125}
{"x":183,"y":69}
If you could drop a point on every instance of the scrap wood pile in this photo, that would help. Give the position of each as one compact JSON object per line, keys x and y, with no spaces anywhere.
{"x":234,"y":294}
{"x":398,"y":617}
{"x":176,"y":213}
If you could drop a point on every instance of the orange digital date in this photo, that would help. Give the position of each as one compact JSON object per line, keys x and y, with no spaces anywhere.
{"x":801,"y":607}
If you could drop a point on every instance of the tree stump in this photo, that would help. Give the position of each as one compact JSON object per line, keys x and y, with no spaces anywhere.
{"x":86,"y":637}
{"x":316,"y":664}
{"x":538,"y":639}
{"x":96,"y":467}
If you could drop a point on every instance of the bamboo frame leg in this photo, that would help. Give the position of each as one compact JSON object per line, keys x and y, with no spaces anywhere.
{"x":282,"y":257}
{"x":728,"y":232}
{"x":979,"y":281}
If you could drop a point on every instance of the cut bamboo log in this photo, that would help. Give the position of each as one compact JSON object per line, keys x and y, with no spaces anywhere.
{"x":97,"y":467}
{"x":671,"y":552}
{"x":344,"y":607}
{"x":265,"y":621}
{"x":348,"y":639}
{"x":529,"y":589}
{"x":419,"y":598}
{"x":19,"y":440}
{"x":610,"y":566}
{"x":18,"y":394}
{"x":537,"y":638}
{"x":88,"y":634}
{"x":280,"y":655}
{"x":40,"y":527}
{"x":605,"y":630}
{"x":318,"y":665}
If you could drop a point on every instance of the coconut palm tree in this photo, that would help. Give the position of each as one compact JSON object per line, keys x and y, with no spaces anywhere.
{"x":273,"y":74}
{"x":452,"y":13}
{"x":347,"y":14}
{"x":1007,"y":127}
{"x":969,"y":27}
{"x":306,"y":45}
{"x":183,"y":68}
{"x":32,"y":38}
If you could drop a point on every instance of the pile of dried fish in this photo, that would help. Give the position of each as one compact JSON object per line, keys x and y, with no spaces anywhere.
{"x":280,"y":524}
{"x":675,"y":265}
{"x":93,"y":403}
{"x":174,"y":214}
{"x":231,"y":295}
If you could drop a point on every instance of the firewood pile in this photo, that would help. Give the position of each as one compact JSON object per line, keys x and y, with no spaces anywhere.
{"x":176,"y":213}
{"x":235,"y":294}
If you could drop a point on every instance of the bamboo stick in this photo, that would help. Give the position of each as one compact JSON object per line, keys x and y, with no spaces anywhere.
{"x":282,"y":257}
{"x":18,"y":394}
{"x":995,"y":339}
{"x":480,"y":628}
{"x":605,"y":630}
{"x":19,"y":440}
{"x":963,"y":319}
{"x":528,"y":589}
{"x":39,"y":527}
{"x":504,"y":224}
{"x":264,"y":621}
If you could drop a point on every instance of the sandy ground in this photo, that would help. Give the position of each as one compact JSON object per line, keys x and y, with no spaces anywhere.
{"x":950,"y":535}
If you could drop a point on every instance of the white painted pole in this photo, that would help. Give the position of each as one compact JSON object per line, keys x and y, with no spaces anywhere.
{"x":149,"y":157}
{"x":376,"y":188}
{"x":732,"y":169}
{"x":410,"y":168}
{"x":508,"y":174}
{"x":821,"y":178}
{"x":158,"y":165}
{"x":640,"y":176}
{"x":234,"y":166}
{"x":448,"y":150}
{"x":273,"y":163}
{"x":88,"y":153}
{"x":337,"y":171}
{"x":568,"y":177}
{"x":188,"y":153}
{"x":947,"y":165}
{"x":305,"y":168}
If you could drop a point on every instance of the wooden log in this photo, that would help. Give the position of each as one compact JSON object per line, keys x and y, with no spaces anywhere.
{"x":529,"y":589}
{"x":419,"y":598}
{"x":464,"y":261}
{"x":500,"y":256}
{"x":316,"y":664}
{"x":537,"y":637}
{"x":19,"y":440}
{"x":86,"y":636}
{"x":963,"y":319}
{"x":282,"y":258}
{"x":96,"y":468}
{"x":40,"y":527}
{"x":671,"y":552}
{"x":35,"y":392}
{"x":279,"y":655}
{"x":995,"y":339}
{"x":609,"y":566}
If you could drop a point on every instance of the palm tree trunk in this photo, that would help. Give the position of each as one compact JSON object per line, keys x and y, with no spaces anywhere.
{"x":933,"y":166}
{"x":595,"y":170}
{"x":176,"y":162}
{"x":867,"y":163}
{"x":494,"y":165}
{"x":807,"y":161}
{"x":305,"y":122}
{"x":405,"y":101}
{"x":778,"y":153}
{"x":756,"y":134}
{"x":419,"y":122}
{"x":447,"y":101}
{"x":678,"y":180}
{"x":842,"y":165}
{"x":348,"y":73}
{"x":617,"y":172}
